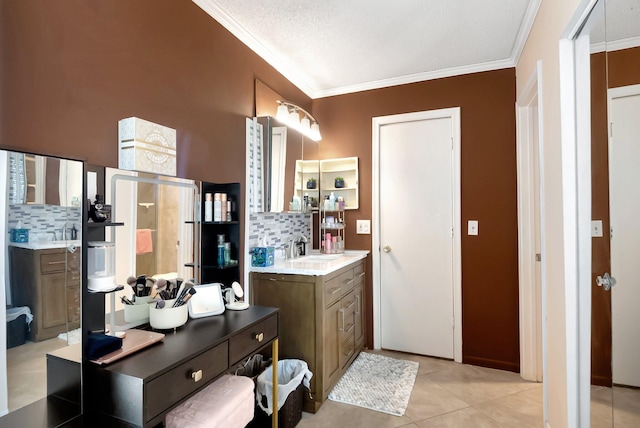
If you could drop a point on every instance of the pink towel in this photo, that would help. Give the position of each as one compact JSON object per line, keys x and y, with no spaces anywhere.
{"x":144,"y":243}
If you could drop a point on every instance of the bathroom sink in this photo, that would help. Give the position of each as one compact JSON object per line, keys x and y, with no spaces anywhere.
{"x":45,"y":245}
{"x":317,"y":258}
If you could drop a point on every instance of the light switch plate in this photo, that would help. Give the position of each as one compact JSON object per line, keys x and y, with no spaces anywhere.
{"x":363,"y":227}
{"x":472,"y":227}
{"x":596,"y":228}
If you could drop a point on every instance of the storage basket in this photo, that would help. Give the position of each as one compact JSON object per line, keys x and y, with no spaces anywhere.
{"x":19,"y":235}
{"x":288,"y":415}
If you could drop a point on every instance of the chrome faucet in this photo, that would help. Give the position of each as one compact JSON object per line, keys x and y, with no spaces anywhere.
{"x":293,"y":250}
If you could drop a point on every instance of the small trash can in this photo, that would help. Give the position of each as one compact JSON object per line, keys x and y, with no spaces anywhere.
{"x":18,"y":321}
{"x":293,"y":377}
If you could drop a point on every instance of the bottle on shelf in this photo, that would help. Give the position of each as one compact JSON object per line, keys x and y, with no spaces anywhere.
{"x":208,"y":207}
{"x":217,"y":207}
{"x":221,"y":250}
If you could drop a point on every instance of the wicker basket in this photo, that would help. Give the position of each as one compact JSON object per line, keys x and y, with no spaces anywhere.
{"x":288,"y":415}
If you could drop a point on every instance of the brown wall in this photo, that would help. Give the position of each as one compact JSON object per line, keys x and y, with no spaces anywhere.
{"x":70,"y":70}
{"x":489,"y":260}
{"x":618,"y":68}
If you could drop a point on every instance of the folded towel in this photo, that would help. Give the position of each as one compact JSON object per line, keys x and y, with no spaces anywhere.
{"x":144,"y":243}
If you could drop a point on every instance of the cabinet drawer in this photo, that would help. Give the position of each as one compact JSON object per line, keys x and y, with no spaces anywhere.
{"x":247,"y":342}
{"x":358,"y":274}
{"x":164,"y":391}
{"x":73,"y":260}
{"x":347,"y":349}
{"x":53,"y":262}
{"x":337,"y":287}
{"x":347,"y":316}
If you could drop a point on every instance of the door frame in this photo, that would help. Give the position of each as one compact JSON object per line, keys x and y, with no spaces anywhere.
{"x":531,"y":320}
{"x":377,"y":123}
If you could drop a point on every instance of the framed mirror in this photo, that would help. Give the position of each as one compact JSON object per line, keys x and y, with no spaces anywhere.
{"x":41,"y":268}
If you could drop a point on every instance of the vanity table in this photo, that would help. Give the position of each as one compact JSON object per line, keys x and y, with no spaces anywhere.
{"x":142,"y":388}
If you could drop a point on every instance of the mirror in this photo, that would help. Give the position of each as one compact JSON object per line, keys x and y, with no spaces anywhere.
{"x":623,"y":100}
{"x":36,"y":179}
{"x":156,"y":237}
{"x":285,"y":167}
{"x":615,"y":86}
{"x":41,"y":271}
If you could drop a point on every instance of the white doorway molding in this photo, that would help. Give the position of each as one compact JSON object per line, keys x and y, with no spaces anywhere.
{"x":531,"y":227}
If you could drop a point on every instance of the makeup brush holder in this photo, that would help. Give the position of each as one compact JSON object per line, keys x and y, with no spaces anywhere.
{"x":168,"y":318}
{"x":139,"y":311}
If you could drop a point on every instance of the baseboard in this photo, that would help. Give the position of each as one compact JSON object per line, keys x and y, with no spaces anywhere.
{"x":601,"y":380}
{"x":492,"y":364}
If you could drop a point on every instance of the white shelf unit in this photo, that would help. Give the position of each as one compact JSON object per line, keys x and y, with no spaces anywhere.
{"x":334,"y":228}
{"x":347,"y":168}
{"x":306,"y":169}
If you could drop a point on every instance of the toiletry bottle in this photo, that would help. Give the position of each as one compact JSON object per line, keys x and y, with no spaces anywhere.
{"x":332,"y":202}
{"x":220,"y":250}
{"x":340,"y":203}
{"x":217,"y":207}
{"x":74,"y":232}
{"x":327,"y":243}
{"x":223,"y":207}
{"x":208,"y":207}
{"x":334,"y":244}
{"x":227,"y":253}
{"x":229,"y":218}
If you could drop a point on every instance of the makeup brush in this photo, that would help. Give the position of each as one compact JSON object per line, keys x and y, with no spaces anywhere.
{"x":160,"y":304}
{"x":158,"y":287}
{"x":182,"y":300}
{"x":185,"y":287}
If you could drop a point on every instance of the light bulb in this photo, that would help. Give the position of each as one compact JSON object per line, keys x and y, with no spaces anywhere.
{"x":294,"y":118}
{"x":305,"y":125}
{"x":315,"y":132}
{"x":282,"y":113}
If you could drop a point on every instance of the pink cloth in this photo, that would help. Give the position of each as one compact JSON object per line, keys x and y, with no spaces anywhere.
{"x":226,"y":403}
{"x":144,"y":243}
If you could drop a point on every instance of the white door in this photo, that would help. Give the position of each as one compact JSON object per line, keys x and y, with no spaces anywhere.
{"x":418,"y":202}
{"x":624,"y":206}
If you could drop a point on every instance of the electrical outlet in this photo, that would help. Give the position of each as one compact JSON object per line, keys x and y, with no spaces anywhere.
{"x":363,"y":227}
{"x":472,"y":227}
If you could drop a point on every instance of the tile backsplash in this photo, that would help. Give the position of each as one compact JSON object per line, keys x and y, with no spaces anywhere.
{"x":277,"y":228}
{"x":43,"y":219}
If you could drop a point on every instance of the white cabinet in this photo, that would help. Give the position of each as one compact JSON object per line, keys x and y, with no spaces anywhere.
{"x":307,"y":180}
{"x":345,"y":169}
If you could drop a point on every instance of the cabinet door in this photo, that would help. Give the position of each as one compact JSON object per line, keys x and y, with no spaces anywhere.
{"x":359,"y":316}
{"x":73,"y":305}
{"x":54,"y":302}
{"x":331,"y":347}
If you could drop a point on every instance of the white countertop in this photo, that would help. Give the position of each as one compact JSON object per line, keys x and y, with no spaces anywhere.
{"x":314,"y":264}
{"x":45,"y":245}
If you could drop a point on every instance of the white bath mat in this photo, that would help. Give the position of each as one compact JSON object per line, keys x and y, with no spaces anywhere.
{"x":376,"y":382}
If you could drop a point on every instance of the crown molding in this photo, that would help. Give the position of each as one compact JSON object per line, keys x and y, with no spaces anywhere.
{"x":525,"y":30}
{"x":211,"y":8}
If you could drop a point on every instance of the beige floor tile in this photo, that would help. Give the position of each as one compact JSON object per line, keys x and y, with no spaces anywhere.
{"x":428,"y":399}
{"x":517,"y":410}
{"x":463,"y":418}
{"x":626,"y":407}
{"x":535,"y":393}
{"x":477,"y":384}
{"x":344,"y":415}
{"x":601,"y":407}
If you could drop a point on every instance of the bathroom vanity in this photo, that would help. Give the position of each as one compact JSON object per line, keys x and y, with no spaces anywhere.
{"x":321,"y":313}
{"x":46,"y":278}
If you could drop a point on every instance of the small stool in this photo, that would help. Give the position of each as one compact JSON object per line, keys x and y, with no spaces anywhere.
{"x":228,"y":402}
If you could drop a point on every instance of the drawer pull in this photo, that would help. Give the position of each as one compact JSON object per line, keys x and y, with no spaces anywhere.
{"x":335,"y":290}
{"x":361,"y":275}
{"x":351,"y":328}
{"x":196,"y":376}
{"x":348,"y":354}
{"x":59,"y":262}
{"x":353,"y":302}
{"x":259,"y":337}
{"x":349,"y":282}
{"x":358,"y":300}
{"x":341,"y":327}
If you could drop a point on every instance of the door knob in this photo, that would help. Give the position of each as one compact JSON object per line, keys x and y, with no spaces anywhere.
{"x":606,"y":281}
{"x":386,"y":249}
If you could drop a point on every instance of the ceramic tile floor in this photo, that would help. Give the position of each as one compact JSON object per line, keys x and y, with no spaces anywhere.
{"x":27,"y":371}
{"x":448,"y":394}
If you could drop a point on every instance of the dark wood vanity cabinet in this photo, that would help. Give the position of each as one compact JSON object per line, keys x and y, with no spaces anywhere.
{"x":321,"y":321}
{"x":48,"y":282}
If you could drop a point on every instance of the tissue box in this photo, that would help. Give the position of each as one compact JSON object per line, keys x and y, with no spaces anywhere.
{"x":19,"y":235}
{"x":262,"y":256}
{"x":146,"y":146}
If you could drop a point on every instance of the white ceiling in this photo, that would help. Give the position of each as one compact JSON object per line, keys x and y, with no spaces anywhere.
{"x":334,"y":47}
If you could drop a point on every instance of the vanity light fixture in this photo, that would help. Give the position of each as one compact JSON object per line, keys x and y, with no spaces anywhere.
{"x":289,"y":114}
